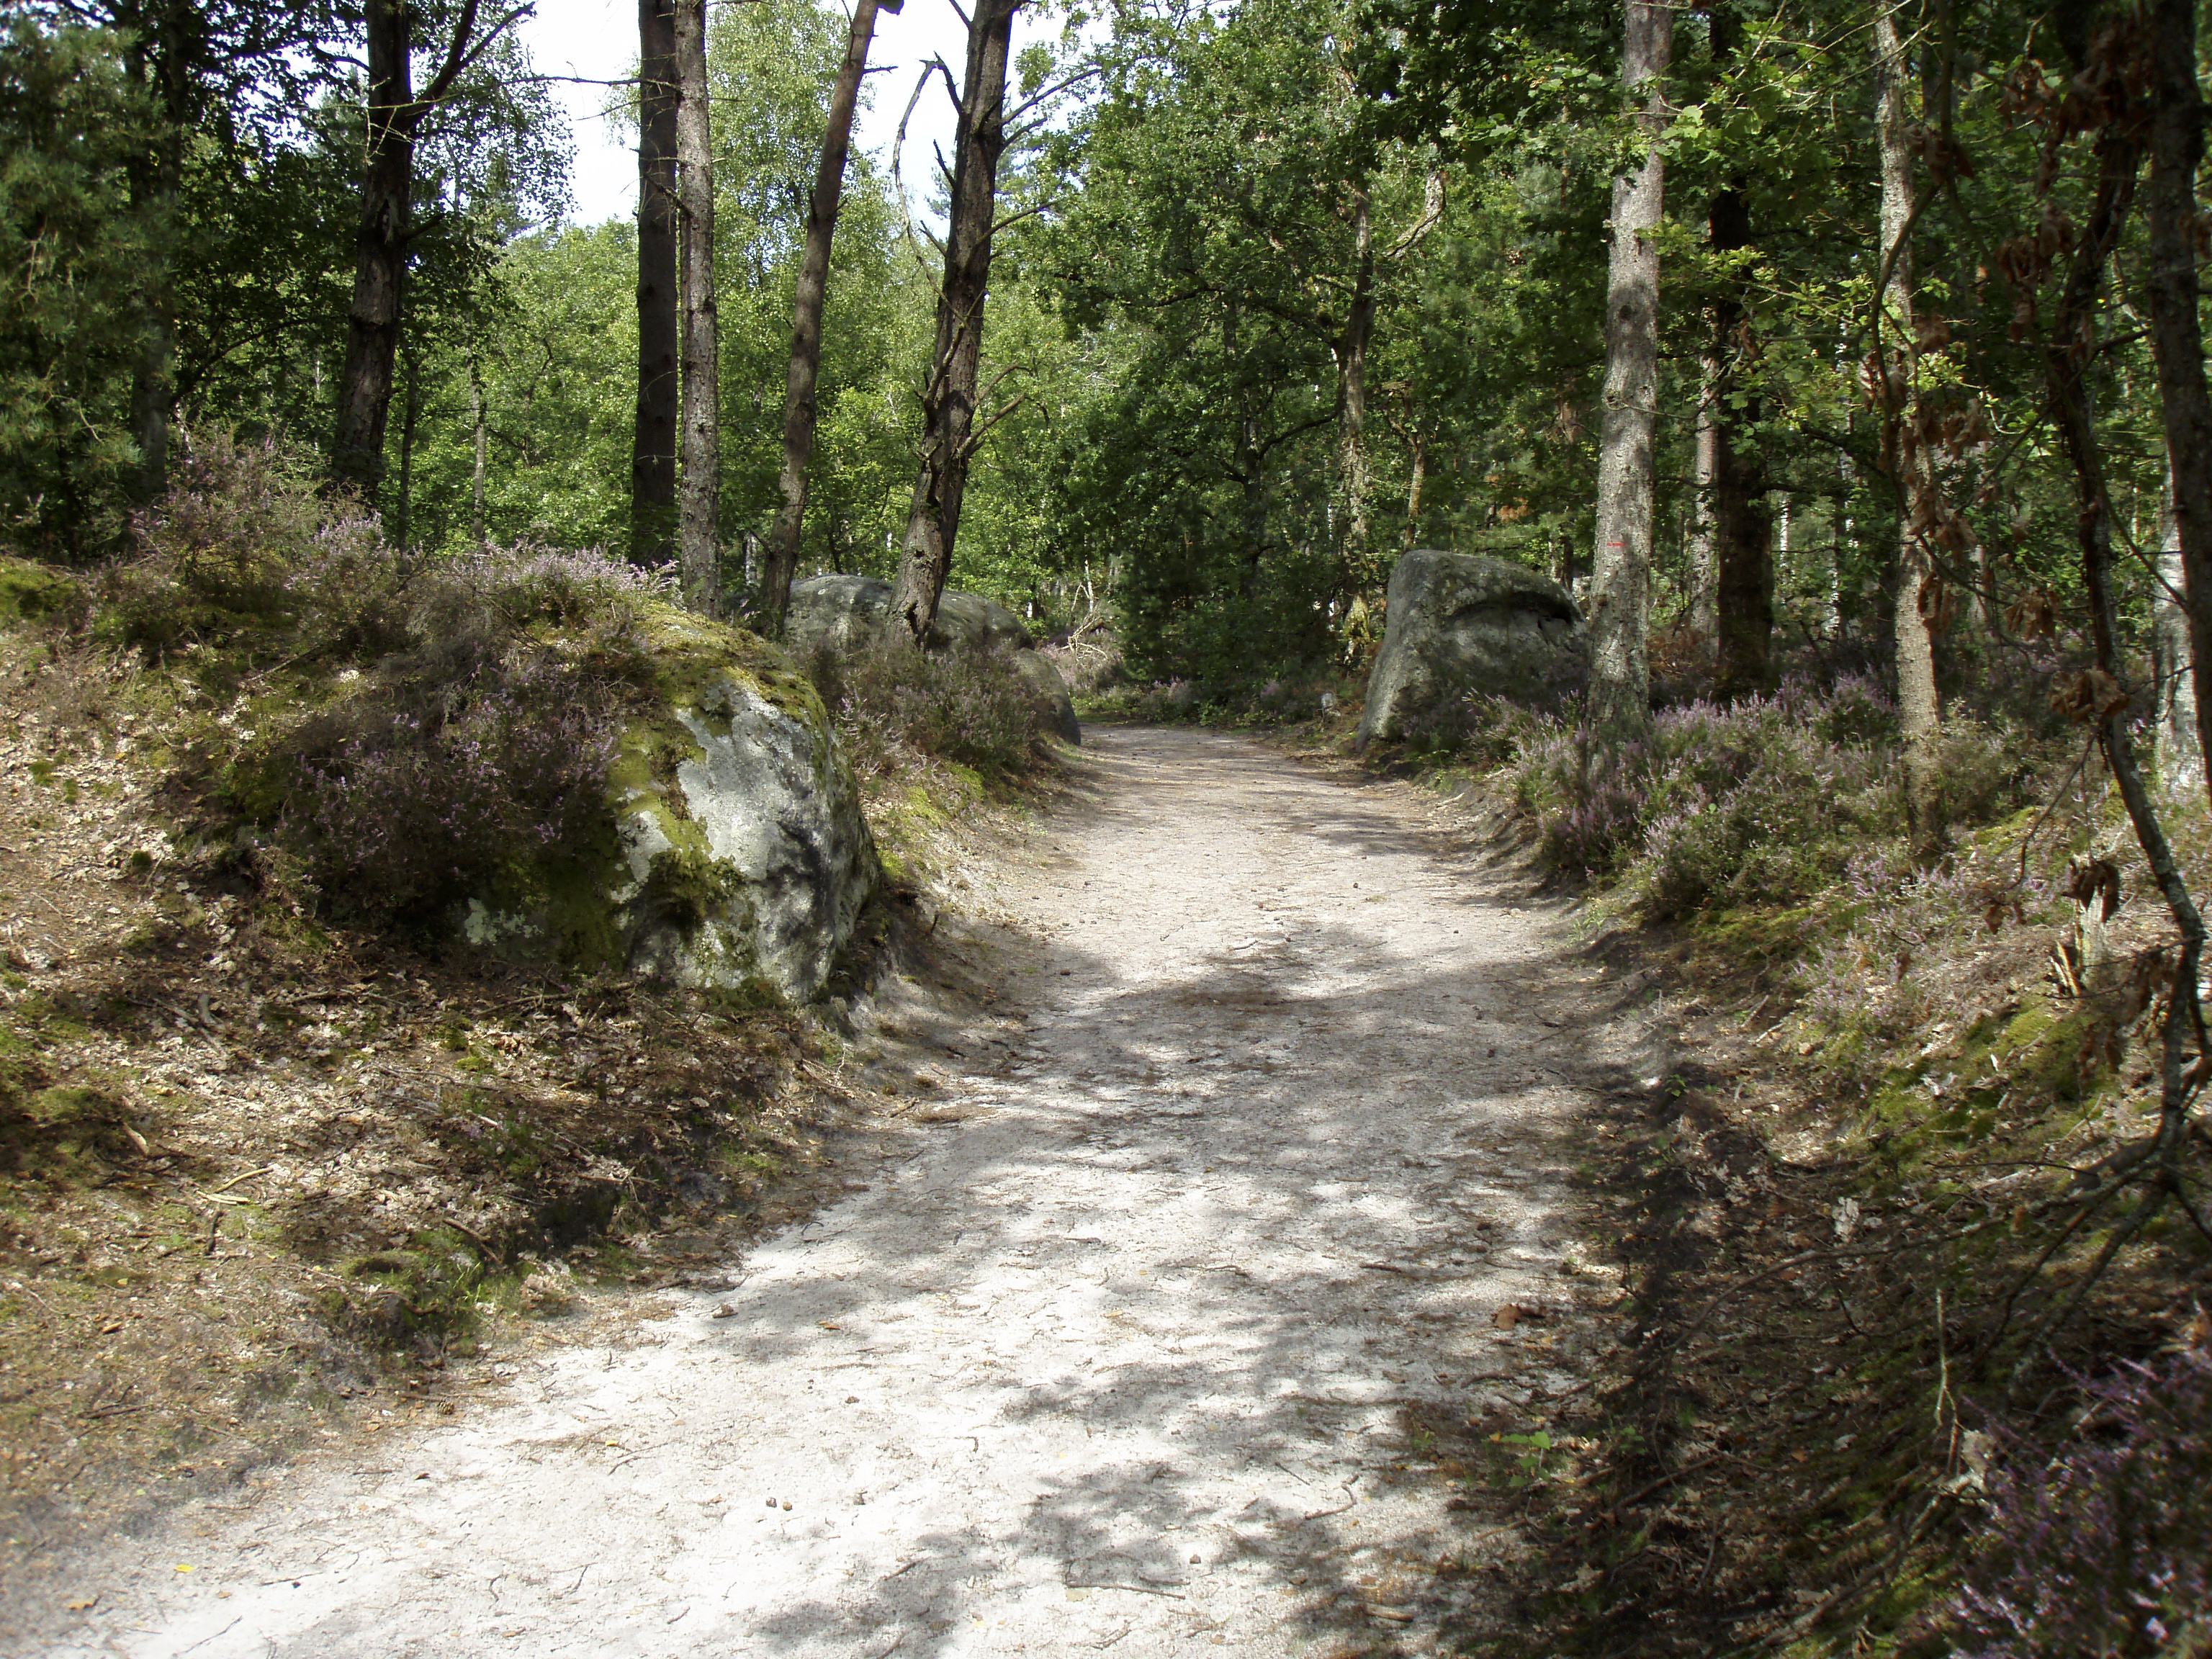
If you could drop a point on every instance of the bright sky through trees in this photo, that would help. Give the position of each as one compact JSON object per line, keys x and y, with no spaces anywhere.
{"x":596,"y":40}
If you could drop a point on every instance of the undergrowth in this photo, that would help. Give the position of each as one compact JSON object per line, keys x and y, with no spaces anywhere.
{"x":1891,"y":1379}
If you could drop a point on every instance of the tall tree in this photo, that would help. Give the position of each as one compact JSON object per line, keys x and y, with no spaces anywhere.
{"x":799,"y":410}
{"x":386,"y":224}
{"x":2177,"y":150}
{"x":653,"y":450}
{"x":699,"y":491}
{"x":1620,"y":567}
{"x":948,"y":398}
{"x":1742,"y":525}
{"x":1918,"y":600}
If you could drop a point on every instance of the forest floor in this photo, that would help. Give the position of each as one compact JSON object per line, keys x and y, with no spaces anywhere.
{"x":1200,"y":1294}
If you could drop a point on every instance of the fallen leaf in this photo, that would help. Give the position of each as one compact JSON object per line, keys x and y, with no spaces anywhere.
{"x":725,"y":1311}
{"x":83,"y":1603}
{"x":1506,"y":1317}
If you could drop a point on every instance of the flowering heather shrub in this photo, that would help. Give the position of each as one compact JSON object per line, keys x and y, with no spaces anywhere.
{"x":402,"y":804}
{"x":1762,"y":801}
{"x":245,"y":544}
{"x":2102,"y":1552}
{"x":893,"y":702}
{"x":532,"y":584}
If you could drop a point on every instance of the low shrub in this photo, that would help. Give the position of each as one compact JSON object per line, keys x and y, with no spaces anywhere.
{"x":2101,"y":1552}
{"x":1767,"y":801}
{"x":895,"y":705}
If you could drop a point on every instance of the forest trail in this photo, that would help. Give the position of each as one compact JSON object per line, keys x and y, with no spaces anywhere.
{"x":1137,"y":1346}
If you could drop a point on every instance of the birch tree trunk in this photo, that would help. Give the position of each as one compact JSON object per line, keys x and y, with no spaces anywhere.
{"x":1704,"y":574}
{"x":1351,"y":367}
{"x":2177,"y":147}
{"x":653,"y":449}
{"x":948,"y":401}
{"x":699,"y":487}
{"x":1620,"y":566}
{"x":799,"y":411}
{"x":1918,"y":602}
{"x":2180,"y":758}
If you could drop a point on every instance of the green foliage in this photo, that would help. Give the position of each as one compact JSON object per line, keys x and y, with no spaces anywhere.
{"x":73,"y":248}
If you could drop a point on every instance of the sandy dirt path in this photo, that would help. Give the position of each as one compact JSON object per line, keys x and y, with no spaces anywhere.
{"x":1131,"y":1358}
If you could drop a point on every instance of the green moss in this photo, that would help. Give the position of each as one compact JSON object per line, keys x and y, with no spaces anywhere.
{"x":66,"y":1135}
{"x":32,"y":592}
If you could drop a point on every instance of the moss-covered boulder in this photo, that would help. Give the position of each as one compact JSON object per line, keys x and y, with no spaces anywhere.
{"x":735,"y":853}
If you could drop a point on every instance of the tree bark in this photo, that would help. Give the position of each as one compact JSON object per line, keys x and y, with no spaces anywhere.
{"x":160,"y":56}
{"x":2177,"y":146}
{"x":476,"y":423}
{"x":1352,"y":368}
{"x":2180,"y":758}
{"x":799,"y":410}
{"x":381,"y":254}
{"x":653,"y":450}
{"x":699,"y":491}
{"x":373,"y":327}
{"x":1704,"y":574}
{"x":948,"y":402}
{"x":1743,"y":527}
{"x":1918,"y":599}
{"x":1620,"y":567}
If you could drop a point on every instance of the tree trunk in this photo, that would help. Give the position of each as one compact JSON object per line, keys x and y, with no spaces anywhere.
{"x":2176,"y":146}
{"x":1352,"y":367}
{"x":1704,"y":574}
{"x":1917,"y":603}
{"x":1620,"y":567}
{"x":948,"y":402}
{"x":653,"y":450}
{"x":799,"y":411}
{"x":381,"y":254}
{"x":159,"y":56}
{"x":476,"y":423}
{"x":1743,"y":526}
{"x":2180,"y":758}
{"x":410,"y":414}
{"x":1418,"y":476}
{"x":699,"y":492}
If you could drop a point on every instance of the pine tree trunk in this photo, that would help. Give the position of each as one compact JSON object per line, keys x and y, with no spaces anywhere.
{"x":158,"y":55}
{"x":653,"y":451}
{"x":1917,"y":601}
{"x":698,"y":488}
{"x":949,"y":398}
{"x":1743,"y":526}
{"x":799,"y":411}
{"x":381,"y":254}
{"x":2177,"y":147}
{"x":1620,"y":567}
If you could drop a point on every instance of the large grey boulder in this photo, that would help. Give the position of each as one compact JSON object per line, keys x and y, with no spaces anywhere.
{"x":845,"y":610}
{"x":1458,"y":624}
{"x":736,"y":853}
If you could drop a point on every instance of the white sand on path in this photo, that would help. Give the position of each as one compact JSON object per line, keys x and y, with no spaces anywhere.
{"x":1123,"y":1361}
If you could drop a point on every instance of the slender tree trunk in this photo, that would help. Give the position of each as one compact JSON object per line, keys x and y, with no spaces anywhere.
{"x":410,"y":414}
{"x":1918,"y":602}
{"x":476,"y":423}
{"x":1704,"y":574}
{"x":1352,"y":368}
{"x":1418,"y":477}
{"x":799,"y":411}
{"x":2177,"y":147}
{"x":381,"y":254}
{"x":948,"y":434}
{"x":2180,"y":758}
{"x":1743,"y":526}
{"x":653,"y":449}
{"x":699,"y":491}
{"x":159,"y":58}
{"x":1620,"y":567}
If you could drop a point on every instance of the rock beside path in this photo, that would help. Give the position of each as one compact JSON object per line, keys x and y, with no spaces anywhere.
{"x":736,"y":852}
{"x":846,"y":609}
{"x":1458,"y":625}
